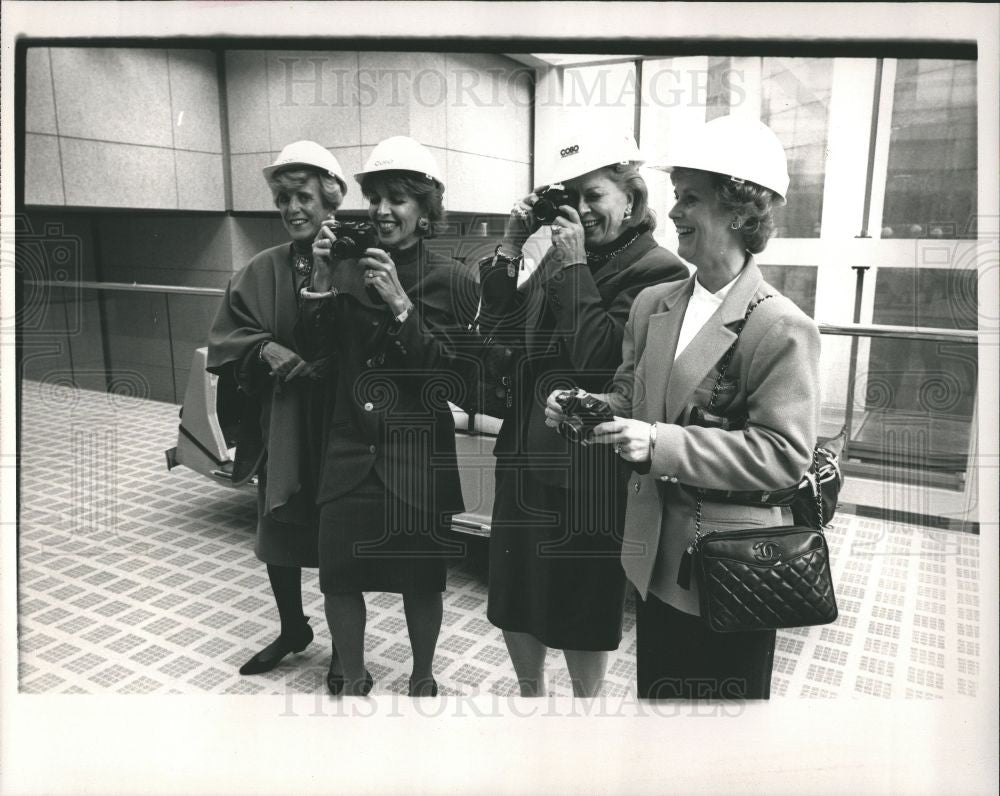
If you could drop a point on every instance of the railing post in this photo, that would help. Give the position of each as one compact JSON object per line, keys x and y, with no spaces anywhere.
{"x":852,"y":370}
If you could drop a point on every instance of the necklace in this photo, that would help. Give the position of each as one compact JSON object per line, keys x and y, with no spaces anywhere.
{"x":303,"y":265}
{"x":598,"y":258}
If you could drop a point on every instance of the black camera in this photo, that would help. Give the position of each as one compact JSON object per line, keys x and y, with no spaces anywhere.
{"x":353,"y":237}
{"x":583,"y":412}
{"x":551,"y":199}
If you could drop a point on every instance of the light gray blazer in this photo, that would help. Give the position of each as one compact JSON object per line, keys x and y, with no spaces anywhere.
{"x":773,"y":378}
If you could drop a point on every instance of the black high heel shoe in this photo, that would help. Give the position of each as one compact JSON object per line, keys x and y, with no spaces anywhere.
{"x":335,"y":682}
{"x":413,"y":691}
{"x":285,"y":643}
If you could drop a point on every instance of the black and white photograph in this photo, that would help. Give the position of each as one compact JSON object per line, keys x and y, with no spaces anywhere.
{"x":512,"y":397}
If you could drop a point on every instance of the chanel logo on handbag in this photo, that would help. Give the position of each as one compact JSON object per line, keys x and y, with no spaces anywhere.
{"x":570,"y":150}
{"x":767,"y":552}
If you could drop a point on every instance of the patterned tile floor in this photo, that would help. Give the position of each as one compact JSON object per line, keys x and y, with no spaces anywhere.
{"x":136,"y":580}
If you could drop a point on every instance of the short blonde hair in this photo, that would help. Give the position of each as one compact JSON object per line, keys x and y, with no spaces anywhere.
{"x":293,"y":178}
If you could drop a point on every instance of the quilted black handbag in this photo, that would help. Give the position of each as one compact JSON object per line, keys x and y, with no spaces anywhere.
{"x":761,"y":578}
{"x":767,"y":578}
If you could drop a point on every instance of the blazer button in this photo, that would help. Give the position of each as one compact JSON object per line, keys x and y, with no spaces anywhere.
{"x":664,"y":477}
{"x":369,"y":406}
{"x":371,"y":449}
{"x":636,"y":486}
{"x":673,"y":479}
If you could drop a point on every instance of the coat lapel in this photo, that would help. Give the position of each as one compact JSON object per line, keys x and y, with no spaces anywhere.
{"x":706,"y":349}
{"x":661,"y":340}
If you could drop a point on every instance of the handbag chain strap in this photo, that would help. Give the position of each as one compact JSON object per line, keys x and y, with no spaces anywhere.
{"x":723,"y":367}
{"x":728,"y":356}
{"x":817,"y":492}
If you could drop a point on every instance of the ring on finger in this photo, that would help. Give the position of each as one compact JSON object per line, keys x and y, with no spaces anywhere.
{"x":618,"y":449}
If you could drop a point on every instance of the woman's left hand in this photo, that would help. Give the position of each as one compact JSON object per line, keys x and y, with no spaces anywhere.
{"x":630,"y":438}
{"x":380,"y":273}
{"x":567,"y":236}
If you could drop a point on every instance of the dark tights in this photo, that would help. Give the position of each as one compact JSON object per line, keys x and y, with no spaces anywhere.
{"x":286,"y":583}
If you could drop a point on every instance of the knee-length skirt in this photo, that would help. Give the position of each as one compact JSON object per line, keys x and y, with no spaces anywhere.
{"x":284,"y":544}
{"x":555,"y":563}
{"x":370,"y":540}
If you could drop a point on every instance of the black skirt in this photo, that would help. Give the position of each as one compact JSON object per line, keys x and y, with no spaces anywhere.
{"x":678,"y":657}
{"x":284,"y":544}
{"x":369,"y":540}
{"x":555,"y":563}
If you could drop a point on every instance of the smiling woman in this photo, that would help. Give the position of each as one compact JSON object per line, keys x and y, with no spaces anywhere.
{"x":677,"y":345}
{"x":389,"y":482}
{"x":555,"y":575}
{"x":251,"y":343}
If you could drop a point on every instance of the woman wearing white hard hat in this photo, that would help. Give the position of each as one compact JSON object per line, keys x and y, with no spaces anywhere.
{"x":389,"y":483}
{"x":555,"y":576}
{"x":251,"y":343}
{"x":727,"y":180}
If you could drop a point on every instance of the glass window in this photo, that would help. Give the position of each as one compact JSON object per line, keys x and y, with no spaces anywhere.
{"x":718,"y":101}
{"x":796,"y":282}
{"x":919,"y":396}
{"x":795,"y":103}
{"x":931,"y":182}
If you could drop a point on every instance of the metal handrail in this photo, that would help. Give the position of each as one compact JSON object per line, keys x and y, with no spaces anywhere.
{"x":133,"y":286}
{"x":924,"y":333}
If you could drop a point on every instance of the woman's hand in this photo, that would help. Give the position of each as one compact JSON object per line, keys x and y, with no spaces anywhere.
{"x":380,"y":273}
{"x":520,"y":225}
{"x":554,"y":414}
{"x":567,"y":237}
{"x":630,"y":438}
{"x":322,"y":259}
{"x":284,"y":363}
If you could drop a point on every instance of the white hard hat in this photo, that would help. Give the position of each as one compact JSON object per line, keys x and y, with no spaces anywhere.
{"x":587,"y":150}
{"x":308,"y":153}
{"x":401,"y":153}
{"x":738,"y":147}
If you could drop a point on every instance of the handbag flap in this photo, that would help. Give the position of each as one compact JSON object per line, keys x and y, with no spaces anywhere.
{"x":769,"y":546}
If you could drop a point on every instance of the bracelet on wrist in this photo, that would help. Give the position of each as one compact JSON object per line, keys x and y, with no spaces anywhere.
{"x":260,"y":351}
{"x":513,"y":262}
{"x":310,"y":296}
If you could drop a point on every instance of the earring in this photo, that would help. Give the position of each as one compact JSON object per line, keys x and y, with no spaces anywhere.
{"x":628,"y":213}
{"x":735,"y":224}
{"x":424,"y":224}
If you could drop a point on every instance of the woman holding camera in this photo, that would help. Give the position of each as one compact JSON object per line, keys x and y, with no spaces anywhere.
{"x":761,"y":429}
{"x":555,"y":574}
{"x":279,"y":392}
{"x":394,"y":314}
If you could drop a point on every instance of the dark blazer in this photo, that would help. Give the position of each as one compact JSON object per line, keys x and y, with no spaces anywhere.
{"x":567,"y":325}
{"x":394,"y":382}
{"x":773,"y":379}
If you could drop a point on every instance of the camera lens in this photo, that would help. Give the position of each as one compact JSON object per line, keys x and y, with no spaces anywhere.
{"x":343,"y":247}
{"x":573,"y":429}
{"x":545,"y":211}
